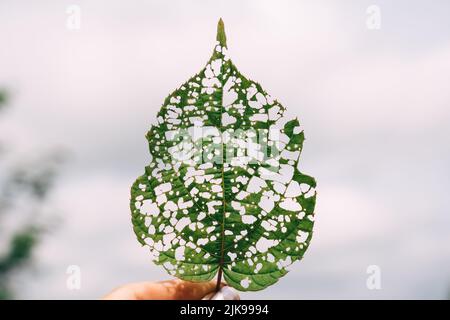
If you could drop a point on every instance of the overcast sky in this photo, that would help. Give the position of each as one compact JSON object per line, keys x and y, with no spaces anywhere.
{"x":374,"y":103}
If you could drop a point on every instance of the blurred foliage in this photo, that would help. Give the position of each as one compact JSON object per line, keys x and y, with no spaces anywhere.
{"x":3,"y":98}
{"x":20,"y":250}
{"x":28,"y":184}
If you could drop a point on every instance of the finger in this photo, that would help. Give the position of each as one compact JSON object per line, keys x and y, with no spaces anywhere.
{"x":225,"y":293}
{"x":183,"y":290}
{"x":165,"y":290}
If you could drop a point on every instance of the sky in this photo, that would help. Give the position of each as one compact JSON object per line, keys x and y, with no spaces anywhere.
{"x":374,"y":104}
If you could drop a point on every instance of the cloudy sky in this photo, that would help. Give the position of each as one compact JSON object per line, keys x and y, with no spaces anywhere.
{"x":375,"y":106}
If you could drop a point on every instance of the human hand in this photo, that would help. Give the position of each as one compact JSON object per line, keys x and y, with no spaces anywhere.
{"x":172,"y":290}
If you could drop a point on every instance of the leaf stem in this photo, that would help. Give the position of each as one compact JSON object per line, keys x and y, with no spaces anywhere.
{"x":219,"y":279}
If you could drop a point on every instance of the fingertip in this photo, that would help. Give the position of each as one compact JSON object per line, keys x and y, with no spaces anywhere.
{"x":225,"y":293}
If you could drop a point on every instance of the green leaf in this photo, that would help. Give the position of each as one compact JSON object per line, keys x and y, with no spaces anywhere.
{"x":223,"y":193}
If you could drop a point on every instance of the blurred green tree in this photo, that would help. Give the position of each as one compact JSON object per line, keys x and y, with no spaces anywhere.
{"x":21,"y":184}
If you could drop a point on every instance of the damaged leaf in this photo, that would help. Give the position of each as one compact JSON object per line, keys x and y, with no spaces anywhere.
{"x":223,"y":194}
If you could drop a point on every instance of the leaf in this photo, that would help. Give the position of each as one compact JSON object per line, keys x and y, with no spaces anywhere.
{"x":223,"y":194}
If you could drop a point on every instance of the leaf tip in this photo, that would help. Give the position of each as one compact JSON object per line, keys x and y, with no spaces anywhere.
{"x":221,"y":37}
